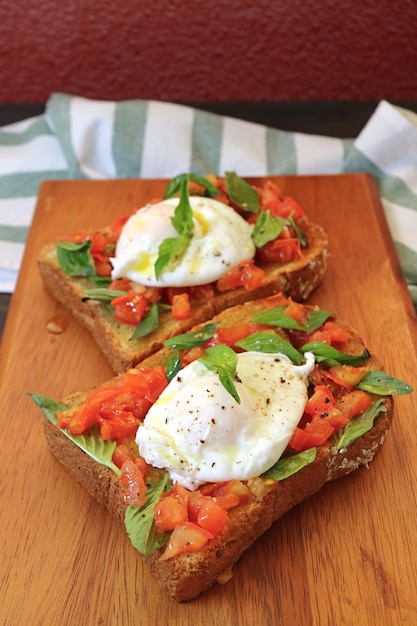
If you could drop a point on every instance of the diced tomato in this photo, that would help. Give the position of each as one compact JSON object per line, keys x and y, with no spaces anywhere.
{"x":229,"y":335}
{"x":320,"y":428}
{"x":320,"y":402}
{"x":297,"y":312}
{"x":185,"y":538}
{"x":133,"y":479}
{"x":118,"y":223}
{"x":227,"y":494}
{"x":117,"y":427}
{"x":202,"y":292}
{"x":148,"y":382}
{"x":279,"y":205}
{"x":117,"y":409}
{"x":211,"y":516}
{"x":130,"y":308}
{"x":271,"y":195}
{"x":169,"y":512}
{"x":246,"y":275}
{"x":170,"y":292}
{"x":192,"y":354}
{"x":290,"y":208}
{"x":347,"y":376}
{"x":121,"y":284}
{"x":181,"y":308}
{"x":103,"y":245}
{"x":120,"y":455}
{"x":280,"y":250}
{"x":329,"y":333}
{"x":302,"y":440}
{"x":354,"y":403}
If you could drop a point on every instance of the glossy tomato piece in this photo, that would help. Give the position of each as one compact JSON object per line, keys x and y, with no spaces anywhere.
{"x":181,"y":308}
{"x":347,"y":376}
{"x":246,"y":275}
{"x":302,"y":440}
{"x":134,"y":482}
{"x":169,"y":512}
{"x":354,"y":403}
{"x":130,"y":308}
{"x":185,"y":538}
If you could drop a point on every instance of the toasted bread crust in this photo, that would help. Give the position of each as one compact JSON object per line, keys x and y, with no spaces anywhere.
{"x":296,"y":279}
{"x":185,"y":576}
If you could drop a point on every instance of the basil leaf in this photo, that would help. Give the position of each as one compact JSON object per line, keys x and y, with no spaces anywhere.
{"x":277,"y":317}
{"x":91,"y":443}
{"x":300,"y":236}
{"x":101,"y":281}
{"x":331,"y":356}
{"x":267,"y":228}
{"x":149,"y":323}
{"x":101,"y":294}
{"x":383,"y":384}
{"x":193,"y":338}
{"x":139,"y":521}
{"x":358,"y":425}
{"x":172,"y":249}
{"x":174,"y":185}
{"x":75,"y":258}
{"x":223,"y":360}
{"x":270,"y":343}
{"x":286,"y":467}
{"x":173,"y":365}
{"x":242,"y":193}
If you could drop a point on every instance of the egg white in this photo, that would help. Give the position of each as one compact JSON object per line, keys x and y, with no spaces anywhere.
{"x":199,"y":433}
{"x":221,"y":240}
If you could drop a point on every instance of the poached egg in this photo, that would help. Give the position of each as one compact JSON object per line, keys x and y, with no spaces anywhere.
{"x":221,"y":240}
{"x":199,"y":433}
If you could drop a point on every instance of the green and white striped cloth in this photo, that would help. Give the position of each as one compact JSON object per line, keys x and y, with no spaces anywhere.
{"x":81,"y":138}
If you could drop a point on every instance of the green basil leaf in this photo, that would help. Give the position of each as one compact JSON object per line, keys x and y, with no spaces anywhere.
{"x":75,"y":258}
{"x":192,"y":338}
{"x":287,"y":466}
{"x":100,"y":281}
{"x":139,"y":521}
{"x":242,"y":193}
{"x":174,"y":185}
{"x":223,"y":360}
{"x":300,"y":236}
{"x":331,"y":356}
{"x":101,"y":294}
{"x":383,"y":384}
{"x":173,"y":365}
{"x":358,"y":426}
{"x":149,"y":323}
{"x":277,"y":317}
{"x":91,"y":443}
{"x":170,"y":252}
{"x":270,"y":343}
{"x":172,"y":249}
{"x":267,"y":228}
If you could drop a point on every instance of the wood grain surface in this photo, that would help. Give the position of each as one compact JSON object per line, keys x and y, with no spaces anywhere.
{"x":345,"y":557}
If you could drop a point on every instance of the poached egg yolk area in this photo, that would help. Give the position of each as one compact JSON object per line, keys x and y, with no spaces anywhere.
{"x":199,"y":433}
{"x":221,"y":240}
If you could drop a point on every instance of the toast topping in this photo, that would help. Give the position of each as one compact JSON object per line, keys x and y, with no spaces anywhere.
{"x":221,"y":239}
{"x":200,"y":433}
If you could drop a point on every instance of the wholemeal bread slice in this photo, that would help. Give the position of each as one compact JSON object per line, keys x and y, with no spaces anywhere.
{"x":186,"y":575}
{"x":297,"y":278}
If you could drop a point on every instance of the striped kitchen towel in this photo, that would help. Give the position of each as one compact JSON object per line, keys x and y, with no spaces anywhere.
{"x":81,"y":138}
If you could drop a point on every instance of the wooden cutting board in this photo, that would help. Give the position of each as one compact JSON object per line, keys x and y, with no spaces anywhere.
{"x":345,"y":557}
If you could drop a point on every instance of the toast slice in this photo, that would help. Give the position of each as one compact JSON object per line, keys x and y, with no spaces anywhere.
{"x":296,"y":278}
{"x":298,"y":474}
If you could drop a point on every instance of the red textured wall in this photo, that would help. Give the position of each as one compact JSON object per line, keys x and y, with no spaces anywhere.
{"x":200,"y":51}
